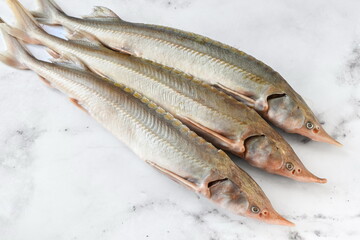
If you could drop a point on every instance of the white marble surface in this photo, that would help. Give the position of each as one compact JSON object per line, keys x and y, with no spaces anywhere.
{"x":62,"y":176}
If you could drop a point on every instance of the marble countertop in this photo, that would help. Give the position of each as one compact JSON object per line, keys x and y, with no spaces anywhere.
{"x":62,"y":176}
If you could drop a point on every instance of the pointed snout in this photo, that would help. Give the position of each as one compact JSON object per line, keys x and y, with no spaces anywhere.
{"x":283,"y":221}
{"x":315,"y":179}
{"x":323,"y":136}
{"x":306,"y":176}
{"x":272,"y":217}
{"x":318,"y":134}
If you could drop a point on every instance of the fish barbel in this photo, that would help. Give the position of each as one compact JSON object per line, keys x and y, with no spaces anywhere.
{"x":153,"y":134}
{"x":224,"y":121}
{"x":235,"y":72}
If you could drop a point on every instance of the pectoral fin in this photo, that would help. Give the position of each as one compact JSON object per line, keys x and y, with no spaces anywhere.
{"x":123,"y":50}
{"x":175,"y":176}
{"x":47,"y":83}
{"x":240,"y":96}
{"x":218,"y":138}
{"x":76,"y":103}
{"x":99,"y":73}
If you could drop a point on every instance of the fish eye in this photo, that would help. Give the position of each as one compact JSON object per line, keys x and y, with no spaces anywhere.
{"x":255,"y":209}
{"x":289,"y":166}
{"x":309,"y":125}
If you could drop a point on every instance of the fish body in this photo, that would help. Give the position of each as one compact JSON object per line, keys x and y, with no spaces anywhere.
{"x":227,"y":68}
{"x":153,"y":134}
{"x":218,"y":117}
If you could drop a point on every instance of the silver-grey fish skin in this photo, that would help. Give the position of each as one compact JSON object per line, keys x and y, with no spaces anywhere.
{"x":155,"y":136}
{"x":230,"y":69}
{"x":224,"y":121}
{"x":186,"y":98}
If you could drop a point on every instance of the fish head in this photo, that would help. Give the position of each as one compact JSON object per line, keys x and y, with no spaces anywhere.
{"x":263,"y":211}
{"x":246,"y":199}
{"x":276,"y":156}
{"x":293,"y":115}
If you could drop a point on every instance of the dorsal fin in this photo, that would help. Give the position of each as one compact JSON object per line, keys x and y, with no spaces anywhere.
{"x":103,"y":13}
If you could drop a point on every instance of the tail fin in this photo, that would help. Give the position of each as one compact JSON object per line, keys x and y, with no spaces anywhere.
{"x":16,"y":52}
{"x":25,"y":21}
{"x":48,"y":12}
{"x":27,"y":27}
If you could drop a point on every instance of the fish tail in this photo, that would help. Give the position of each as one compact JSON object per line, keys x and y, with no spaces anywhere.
{"x":24,"y":20}
{"x":27,"y":29}
{"x":16,"y":53}
{"x":48,"y":12}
